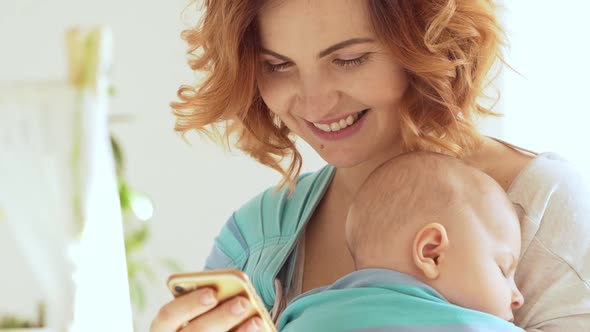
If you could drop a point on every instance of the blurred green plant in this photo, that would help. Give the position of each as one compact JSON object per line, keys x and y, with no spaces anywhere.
{"x":14,"y":322}
{"x":84,"y":49}
{"x":137,"y":210}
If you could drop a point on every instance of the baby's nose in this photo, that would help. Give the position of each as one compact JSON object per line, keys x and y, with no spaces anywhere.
{"x":517,"y":299}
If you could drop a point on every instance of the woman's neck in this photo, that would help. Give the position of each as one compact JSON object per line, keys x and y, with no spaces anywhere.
{"x":348,"y":180}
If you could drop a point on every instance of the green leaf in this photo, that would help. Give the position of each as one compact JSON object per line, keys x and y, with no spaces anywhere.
{"x":117,"y":155}
{"x":136,"y":239}
{"x":131,"y":268}
{"x":124,"y":196}
{"x":137,"y":294}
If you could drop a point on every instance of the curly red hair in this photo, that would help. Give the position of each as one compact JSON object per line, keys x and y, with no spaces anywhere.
{"x":446,"y":46}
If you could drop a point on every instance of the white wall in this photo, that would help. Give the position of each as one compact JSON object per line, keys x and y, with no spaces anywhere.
{"x":548,"y":101}
{"x":194,"y":188}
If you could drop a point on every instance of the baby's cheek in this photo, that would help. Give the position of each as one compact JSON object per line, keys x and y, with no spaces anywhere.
{"x":468,"y":293}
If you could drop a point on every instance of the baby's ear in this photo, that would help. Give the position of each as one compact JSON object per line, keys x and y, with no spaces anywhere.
{"x":429,"y":245}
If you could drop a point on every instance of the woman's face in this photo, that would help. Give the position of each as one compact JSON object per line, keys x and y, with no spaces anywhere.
{"x":329,"y":80}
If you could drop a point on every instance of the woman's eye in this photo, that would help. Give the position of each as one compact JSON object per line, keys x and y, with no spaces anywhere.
{"x":352,"y":62}
{"x":281,"y":67}
{"x":271,"y":68}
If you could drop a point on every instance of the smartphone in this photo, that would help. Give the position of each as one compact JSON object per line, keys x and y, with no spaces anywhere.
{"x":227,"y":283}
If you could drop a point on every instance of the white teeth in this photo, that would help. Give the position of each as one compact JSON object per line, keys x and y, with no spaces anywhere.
{"x":339,"y":125}
{"x":350,"y":120}
{"x":323,"y":127}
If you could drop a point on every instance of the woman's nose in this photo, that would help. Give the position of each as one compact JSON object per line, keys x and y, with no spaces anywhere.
{"x":317,"y":97}
{"x":316,"y":105}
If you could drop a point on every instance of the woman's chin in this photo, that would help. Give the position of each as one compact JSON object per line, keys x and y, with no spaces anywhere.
{"x":355,"y":155}
{"x":342,"y":159}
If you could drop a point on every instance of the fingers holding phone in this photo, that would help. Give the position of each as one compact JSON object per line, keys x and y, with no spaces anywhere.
{"x":220,"y":300}
{"x":197,"y":311}
{"x":176,"y":313}
{"x":218,"y":319}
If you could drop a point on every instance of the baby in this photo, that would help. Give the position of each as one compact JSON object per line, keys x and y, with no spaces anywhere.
{"x":435,"y":243}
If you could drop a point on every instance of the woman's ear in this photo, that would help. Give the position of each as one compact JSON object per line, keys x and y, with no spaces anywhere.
{"x":430,"y":243}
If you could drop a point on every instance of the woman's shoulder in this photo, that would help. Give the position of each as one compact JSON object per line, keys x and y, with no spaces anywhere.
{"x":273,"y":214}
{"x":259,"y":235}
{"x":309,"y":189}
{"x":550,"y":186}
{"x":552,"y":196}
{"x":547,"y":176}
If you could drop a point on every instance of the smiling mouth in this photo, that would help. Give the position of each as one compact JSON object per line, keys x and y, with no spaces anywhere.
{"x":341,"y":124}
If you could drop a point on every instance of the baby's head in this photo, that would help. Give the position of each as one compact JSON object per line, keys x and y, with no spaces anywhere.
{"x":445,"y":223}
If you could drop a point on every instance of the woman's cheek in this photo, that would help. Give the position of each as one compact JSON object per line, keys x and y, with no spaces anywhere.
{"x":276,"y":94}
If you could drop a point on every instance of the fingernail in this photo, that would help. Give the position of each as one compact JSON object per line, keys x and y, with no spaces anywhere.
{"x":253,"y":326}
{"x":207,"y":298}
{"x":239,"y":307}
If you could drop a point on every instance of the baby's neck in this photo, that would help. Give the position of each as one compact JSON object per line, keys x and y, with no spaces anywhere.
{"x":396,"y":263}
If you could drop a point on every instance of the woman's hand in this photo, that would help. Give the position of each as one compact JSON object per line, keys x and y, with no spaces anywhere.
{"x":199,"y":311}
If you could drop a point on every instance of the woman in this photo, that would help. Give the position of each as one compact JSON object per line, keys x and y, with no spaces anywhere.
{"x":361,"y":82}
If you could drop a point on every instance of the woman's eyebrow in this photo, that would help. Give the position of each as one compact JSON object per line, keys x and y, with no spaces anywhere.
{"x":325,"y":52}
{"x":344,"y":44}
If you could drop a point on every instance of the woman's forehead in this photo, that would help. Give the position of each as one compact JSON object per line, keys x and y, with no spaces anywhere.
{"x":312,"y":23}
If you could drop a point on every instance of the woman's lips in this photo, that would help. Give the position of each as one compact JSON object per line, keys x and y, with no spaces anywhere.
{"x":339,"y":133}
